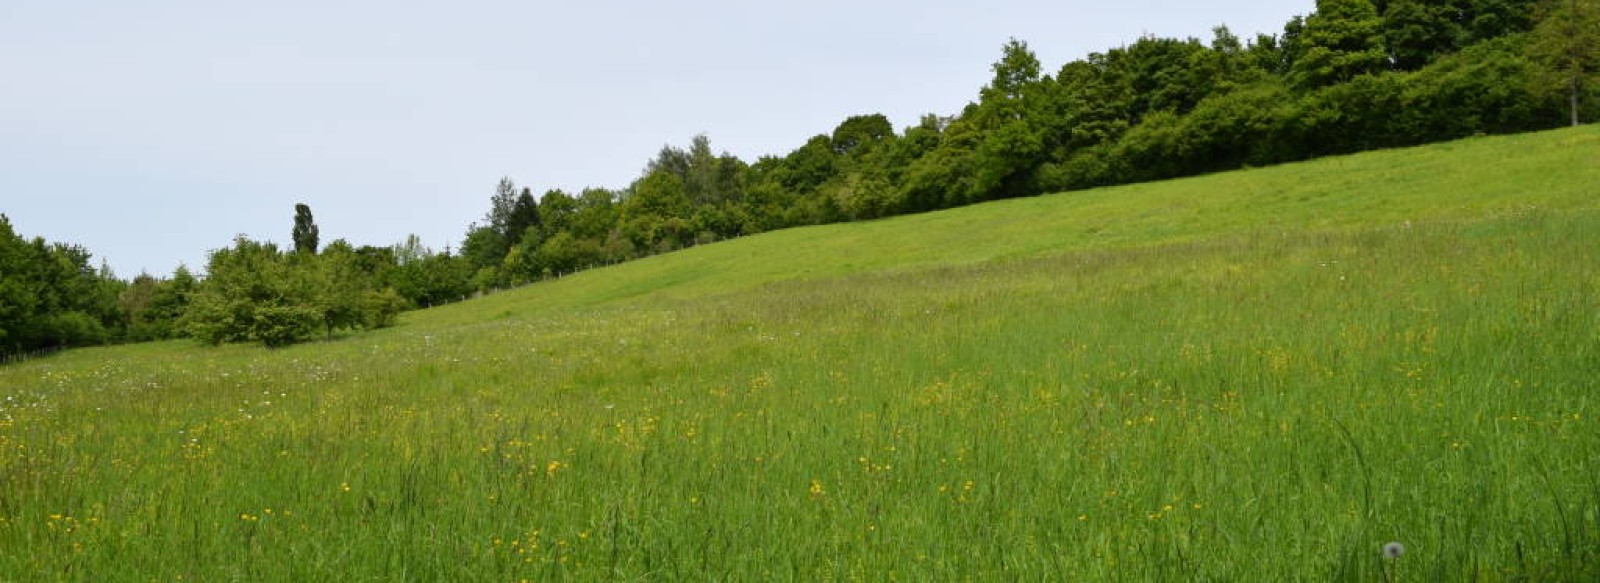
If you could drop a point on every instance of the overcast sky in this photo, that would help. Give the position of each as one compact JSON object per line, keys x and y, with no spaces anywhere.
{"x":153,"y":131}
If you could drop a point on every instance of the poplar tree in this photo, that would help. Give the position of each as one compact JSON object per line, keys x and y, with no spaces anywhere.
{"x":305,"y":230}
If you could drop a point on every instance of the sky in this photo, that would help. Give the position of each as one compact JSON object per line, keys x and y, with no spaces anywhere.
{"x":152,"y":132}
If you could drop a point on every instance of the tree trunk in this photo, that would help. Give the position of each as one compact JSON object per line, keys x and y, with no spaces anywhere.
{"x":1573,"y":101}
{"x":1577,"y":68}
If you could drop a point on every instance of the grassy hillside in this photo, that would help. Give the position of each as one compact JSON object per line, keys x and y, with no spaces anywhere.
{"x":1262,"y":375}
{"x":1466,"y":180}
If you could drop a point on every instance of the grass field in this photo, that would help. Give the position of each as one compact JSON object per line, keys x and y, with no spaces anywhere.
{"x":1262,"y":375}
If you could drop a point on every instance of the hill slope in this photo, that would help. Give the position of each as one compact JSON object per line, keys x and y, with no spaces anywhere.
{"x":1465,"y":180}
{"x":1260,"y":375}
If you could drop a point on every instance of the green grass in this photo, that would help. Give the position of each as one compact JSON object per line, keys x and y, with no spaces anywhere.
{"x":1263,"y":375}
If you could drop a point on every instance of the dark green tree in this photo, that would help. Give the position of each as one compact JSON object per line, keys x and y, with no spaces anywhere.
{"x":655,"y":214}
{"x":1566,"y":44}
{"x":1167,"y":74}
{"x":556,"y":212}
{"x":563,"y":254}
{"x":1009,"y":130}
{"x":1488,"y":19}
{"x":1342,"y":39}
{"x":54,"y":297}
{"x":305,"y":230}
{"x":168,"y":304}
{"x":1483,"y":88}
{"x":670,"y":159}
{"x":808,"y":167}
{"x":17,"y":302}
{"x":944,"y":176}
{"x":524,"y":215}
{"x":861,"y":131}
{"x":377,"y":262}
{"x":862,"y":195}
{"x":134,"y":303}
{"x":1417,"y":31}
{"x":484,"y":247}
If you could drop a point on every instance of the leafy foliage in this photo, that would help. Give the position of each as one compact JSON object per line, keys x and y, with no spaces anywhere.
{"x":1352,"y":75}
{"x":254,"y":293}
{"x":305,"y":230}
{"x":1342,"y":40}
{"x":51,"y":297}
{"x":1566,"y":48}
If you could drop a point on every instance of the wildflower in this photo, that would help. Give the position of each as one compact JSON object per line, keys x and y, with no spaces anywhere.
{"x":1393,"y":550}
{"x":817,"y":491}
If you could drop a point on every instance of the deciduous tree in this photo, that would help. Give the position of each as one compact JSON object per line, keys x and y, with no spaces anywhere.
{"x":1566,"y":44}
{"x":305,"y":230}
{"x":251,"y":294}
{"x":1342,"y":39}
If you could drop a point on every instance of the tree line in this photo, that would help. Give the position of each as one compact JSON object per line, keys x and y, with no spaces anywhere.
{"x":1353,"y":75}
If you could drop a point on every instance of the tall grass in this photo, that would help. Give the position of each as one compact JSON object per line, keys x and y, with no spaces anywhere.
{"x":1274,"y":400}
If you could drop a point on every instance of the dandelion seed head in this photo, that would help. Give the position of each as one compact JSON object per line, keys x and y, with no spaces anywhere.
{"x":1393,"y":550}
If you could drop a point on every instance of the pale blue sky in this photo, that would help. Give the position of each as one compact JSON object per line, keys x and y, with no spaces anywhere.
{"x":154,"y":131}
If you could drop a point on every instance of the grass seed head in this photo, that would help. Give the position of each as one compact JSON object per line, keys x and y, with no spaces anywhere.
{"x":1393,"y":550}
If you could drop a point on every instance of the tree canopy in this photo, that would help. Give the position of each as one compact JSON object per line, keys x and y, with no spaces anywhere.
{"x":305,"y":233}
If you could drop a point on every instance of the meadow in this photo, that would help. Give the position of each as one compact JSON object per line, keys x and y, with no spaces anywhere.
{"x":1261,"y":375}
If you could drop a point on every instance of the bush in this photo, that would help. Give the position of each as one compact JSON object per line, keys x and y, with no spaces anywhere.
{"x":380,"y":308}
{"x":282,"y":324}
{"x":71,"y":329}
